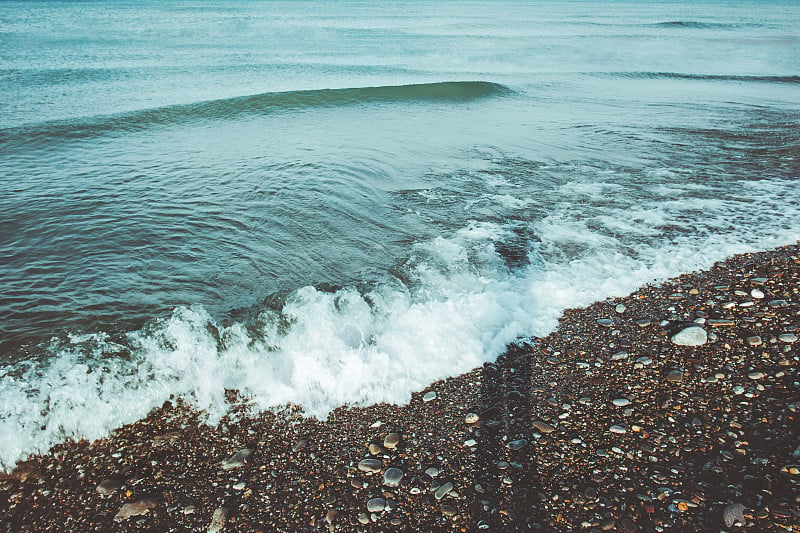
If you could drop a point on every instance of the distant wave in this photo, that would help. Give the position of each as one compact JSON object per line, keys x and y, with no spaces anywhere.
{"x":227,"y":108}
{"x":697,"y":25}
{"x":700,"y":77}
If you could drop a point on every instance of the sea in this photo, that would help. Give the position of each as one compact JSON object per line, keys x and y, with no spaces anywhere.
{"x":330,"y":203}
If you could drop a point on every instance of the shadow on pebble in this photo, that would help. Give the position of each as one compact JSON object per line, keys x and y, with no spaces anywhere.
{"x":506,"y":476}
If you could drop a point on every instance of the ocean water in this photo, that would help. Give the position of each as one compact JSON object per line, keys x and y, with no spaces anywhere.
{"x":339,"y":202}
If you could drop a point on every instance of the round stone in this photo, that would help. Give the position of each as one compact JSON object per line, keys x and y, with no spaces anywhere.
{"x":471,"y":418}
{"x":620,"y":308}
{"x":391,"y":441}
{"x":605,"y":322}
{"x":691,"y":336}
{"x":376,"y":505}
{"x":675,"y":376}
{"x":620,"y":402}
{"x":755,"y":375}
{"x":469,"y":443}
{"x":617,"y":429}
{"x":787,"y":337}
{"x":755,"y":340}
{"x":518,"y":444}
{"x":429,"y":396}
{"x":370,"y":465}
{"x":432,"y":471}
{"x":392,"y":477}
{"x":757,"y":294}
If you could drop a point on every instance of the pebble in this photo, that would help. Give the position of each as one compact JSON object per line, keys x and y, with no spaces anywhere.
{"x":443,"y":491}
{"x":675,"y":376}
{"x":363,"y":518}
{"x":757,"y":294}
{"x":299,"y":445}
{"x":429,"y":396}
{"x":218,"y":520}
{"x":373,"y":448}
{"x":605,"y":322}
{"x":542,"y":427}
{"x":391,"y":441}
{"x":392,"y":477}
{"x":471,"y":418}
{"x":621,"y":402}
{"x":619,"y":356}
{"x":109,"y":486}
{"x":617,"y":429}
{"x":734,"y":515}
{"x":136,"y":508}
{"x":755,"y":375}
{"x":237,"y":460}
{"x":376,"y":505}
{"x":469,"y":443}
{"x":370,"y":465}
{"x":787,"y":337}
{"x":643,"y":322}
{"x":448,"y":510}
{"x":620,"y":308}
{"x":691,"y":336}
{"x":719,"y":322}
{"x":755,"y":340}
{"x":330,"y":516}
{"x":189,"y":509}
{"x":432,"y":471}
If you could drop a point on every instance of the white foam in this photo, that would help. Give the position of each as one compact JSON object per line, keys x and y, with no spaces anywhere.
{"x":459,"y":307}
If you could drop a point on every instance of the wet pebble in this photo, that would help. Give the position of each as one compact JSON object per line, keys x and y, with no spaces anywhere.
{"x":429,"y":396}
{"x":621,"y":402}
{"x":691,"y":336}
{"x":733,"y":515}
{"x":376,"y":505}
{"x":391,"y":441}
{"x":443,"y":491}
{"x":392,"y":477}
{"x":542,"y":427}
{"x":787,"y":337}
{"x":218,"y":520}
{"x":136,"y":508}
{"x":370,"y":465}
{"x":471,"y":418}
{"x":237,"y":460}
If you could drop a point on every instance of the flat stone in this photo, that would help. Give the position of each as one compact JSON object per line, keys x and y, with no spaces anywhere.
{"x":136,"y":508}
{"x":605,"y":322}
{"x":471,"y":418}
{"x":363,"y":518}
{"x":619,"y":356}
{"x":469,"y":443}
{"x":617,"y":429}
{"x":237,"y":460}
{"x":620,"y":402}
{"x":330,"y":516}
{"x":542,"y":427}
{"x":448,"y":510}
{"x":757,"y":294}
{"x":373,"y":448}
{"x":720,"y":322}
{"x":643,"y":322}
{"x":109,"y":486}
{"x":755,"y":375}
{"x":429,"y":396}
{"x":755,"y":340}
{"x":376,"y":505}
{"x":370,"y":465}
{"x":299,"y":445}
{"x":443,"y":491}
{"x":674,"y":376}
{"x":691,"y":336}
{"x":392,"y":477}
{"x":218,"y":520}
{"x":787,"y":337}
{"x":620,"y":308}
{"x":391,"y":441}
{"x":432,"y":471}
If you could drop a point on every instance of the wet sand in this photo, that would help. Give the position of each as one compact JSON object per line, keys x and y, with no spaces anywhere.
{"x":610,"y":423}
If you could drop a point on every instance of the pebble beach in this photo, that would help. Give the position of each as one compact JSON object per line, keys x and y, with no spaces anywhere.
{"x":675,"y":408}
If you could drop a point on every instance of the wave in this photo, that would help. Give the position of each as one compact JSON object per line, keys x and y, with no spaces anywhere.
{"x":701,"y":77}
{"x":243,"y":106}
{"x":695,"y":24}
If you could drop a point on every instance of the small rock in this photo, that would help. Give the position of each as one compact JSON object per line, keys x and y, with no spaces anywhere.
{"x":391,"y":441}
{"x":376,"y":505}
{"x":643,"y":322}
{"x":330,"y":516}
{"x":237,"y":460}
{"x":443,"y":491}
{"x":448,"y":510}
{"x":218,"y":520}
{"x":755,"y":340}
{"x":471,"y":418}
{"x":370,"y":465}
{"x":469,"y":443}
{"x":755,"y":375}
{"x":605,"y":322}
{"x":542,"y":427}
{"x":432,"y":471}
{"x":299,"y":445}
{"x":392,"y":477}
{"x":363,"y":518}
{"x":189,"y":509}
{"x":429,"y":396}
{"x":134,"y":509}
{"x":620,"y":308}
{"x":109,"y":486}
{"x":374,"y":449}
{"x":787,"y":337}
{"x":617,"y":429}
{"x":674,"y":376}
{"x":691,"y":336}
{"x":620,"y":402}
{"x":619,"y":356}
{"x":757,"y":294}
{"x":733,"y":515}
{"x":720,"y":322}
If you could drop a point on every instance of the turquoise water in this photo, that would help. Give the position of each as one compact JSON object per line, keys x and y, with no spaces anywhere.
{"x":339,"y":202}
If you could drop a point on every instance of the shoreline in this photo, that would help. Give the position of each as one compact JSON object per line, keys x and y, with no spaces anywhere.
{"x":604,"y":424}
